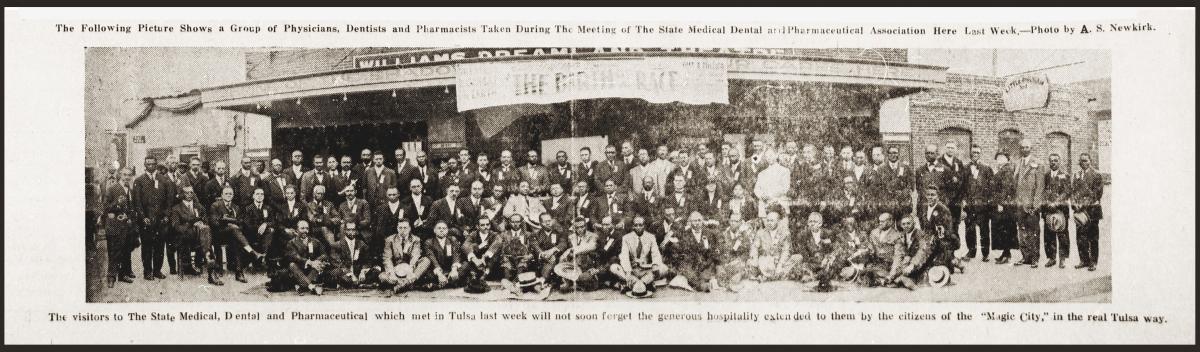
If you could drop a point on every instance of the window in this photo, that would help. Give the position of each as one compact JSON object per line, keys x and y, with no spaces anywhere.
{"x":1060,"y":143}
{"x":1009,"y":142}
{"x":959,"y":136}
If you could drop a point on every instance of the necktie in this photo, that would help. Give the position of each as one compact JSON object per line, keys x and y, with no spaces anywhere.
{"x":194,"y":212}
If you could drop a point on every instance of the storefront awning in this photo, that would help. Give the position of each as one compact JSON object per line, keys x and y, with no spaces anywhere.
{"x":439,"y":74}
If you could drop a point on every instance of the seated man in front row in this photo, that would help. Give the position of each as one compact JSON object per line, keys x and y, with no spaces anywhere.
{"x":444,"y":253}
{"x":306,"y":259}
{"x":911,"y":256}
{"x":641,"y":261}
{"x":481,"y":248}
{"x":402,"y":260}
{"x":772,"y":257}
{"x":521,"y":250}
{"x":349,"y":263}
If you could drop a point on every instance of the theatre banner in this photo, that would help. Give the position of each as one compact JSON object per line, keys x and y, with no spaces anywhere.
{"x":657,"y":80}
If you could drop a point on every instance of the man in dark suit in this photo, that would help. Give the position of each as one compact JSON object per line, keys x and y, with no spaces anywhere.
{"x":979,"y":202}
{"x":314,"y":177}
{"x":296,"y":169}
{"x":683,"y":202}
{"x":226,"y":221}
{"x":711,"y":199}
{"x":608,"y":250}
{"x":246,"y":179}
{"x":932,"y":174}
{"x":692,"y":174}
{"x":519,"y":252}
{"x":428,"y":174}
{"x":447,"y":210}
{"x":119,"y":226}
{"x":212,"y":189}
{"x":583,"y":203}
{"x":152,"y":193}
{"x":809,"y":182}
{"x":954,"y":188}
{"x":190,"y":221}
{"x":455,"y":176}
{"x":345,"y":176}
{"x":901,"y":185}
{"x":507,"y":173}
{"x":385,"y":215}
{"x":1004,"y":217}
{"x":356,"y":211}
{"x":646,"y":202}
{"x":306,"y":259}
{"x":536,"y":174}
{"x":350,"y":262}
{"x":586,"y":169}
{"x":473,"y":204}
{"x":359,"y":169}
{"x":561,"y":173}
{"x":1057,"y":196}
{"x":273,"y":185}
{"x":692,"y":254}
{"x":816,"y":246}
{"x":418,"y":207}
{"x":482,"y":171}
{"x":445,"y":259}
{"x":405,"y":172}
{"x":293,"y":210}
{"x":549,"y":238}
{"x":936,"y":221}
{"x":611,"y":203}
{"x":261,"y":221}
{"x":323,"y":217}
{"x":380,"y":178}
{"x":612,"y":168}
{"x":847,"y":201}
{"x":559,"y":205}
{"x":480,"y":251}
{"x":1088,"y":188}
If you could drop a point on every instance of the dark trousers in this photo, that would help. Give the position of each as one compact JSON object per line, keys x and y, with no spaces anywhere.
{"x":230,"y":236}
{"x":956,"y":209}
{"x":1088,"y":240}
{"x":153,"y":248}
{"x":1057,"y":244}
{"x":117,"y":240}
{"x":303,"y":276}
{"x":1028,"y":234}
{"x":979,"y":216}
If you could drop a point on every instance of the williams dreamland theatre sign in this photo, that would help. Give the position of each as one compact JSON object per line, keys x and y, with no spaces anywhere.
{"x":455,"y":54}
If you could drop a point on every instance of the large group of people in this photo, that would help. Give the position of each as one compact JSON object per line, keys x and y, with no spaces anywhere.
{"x":632,"y":220}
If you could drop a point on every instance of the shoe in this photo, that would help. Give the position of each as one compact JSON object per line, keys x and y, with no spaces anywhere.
{"x":1033,"y":265}
{"x":1081,"y":266}
{"x":1062,"y":265}
{"x":126,"y":279}
{"x":174,"y":271}
{"x":239,"y":277}
{"x":908,"y":283}
{"x":1018,"y":263}
{"x":160,"y":275}
{"x":112,"y":281}
{"x":317,"y":290}
{"x":969,"y":256}
{"x":1092,"y":268}
{"x":1051,"y":263}
{"x":215,"y":281}
{"x":985,"y":259}
{"x":148,"y":276}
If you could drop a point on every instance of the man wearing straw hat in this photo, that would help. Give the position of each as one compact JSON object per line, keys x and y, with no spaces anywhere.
{"x":1054,"y":210}
{"x":402,"y":259}
{"x":641,"y":262}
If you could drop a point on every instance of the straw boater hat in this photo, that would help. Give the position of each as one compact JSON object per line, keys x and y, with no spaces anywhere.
{"x":1081,"y":219}
{"x":639,"y":290}
{"x":403,"y":270}
{"x":1056,"y":221}
{"x":938,"y":276}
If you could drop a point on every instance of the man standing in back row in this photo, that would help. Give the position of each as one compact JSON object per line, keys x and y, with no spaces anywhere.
{"x":1085,"y":199}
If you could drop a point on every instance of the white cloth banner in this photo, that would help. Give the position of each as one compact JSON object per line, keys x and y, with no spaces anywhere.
{"x":657,"y":80}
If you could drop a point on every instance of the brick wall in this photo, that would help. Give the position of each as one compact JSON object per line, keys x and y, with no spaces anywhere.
{"x":292,"y":62}
{"x":974,"y":103}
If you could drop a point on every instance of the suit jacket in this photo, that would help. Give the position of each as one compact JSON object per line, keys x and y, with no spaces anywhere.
{"x":255,"y":217}
{"x":211,"y":190}
{"x":322,"y":214}
{"x":414,"y":212}
{"x":693,"y":177}
{"x":359,"y":214}
{"x":633,"y":180}
{"x":741,"y":174}
{"x":938,"y":215}
{"x":932,"y":174}
{"x":748,"y":208}
{"x":646,"y":205}
{"x":443,"y":258}
{"x":529,"y":207}
{"x":698,"y":255}
{"x":1058,"y":190}
{"x":608,"y":248}
{"x":1030,"y":184}
{"x":151,"y":200}
{"x":509,"y":176}
{"x":196,"y":181}
{"x":815,"y":252}
{"x":355,"y":177}
{"x":955,"y":179}
{"x":441,"y":210}
{"x":429,"y":178}
{"x":399,"y":250}
{"x":900,"y":179}
{"x":471,"y":212}
{"x":298,"y":252}
{"x":1004,"y":185}
{"x":882,"y":246}
{"x":309,"y":180}
{"x":385,"y":219}
{"x":403,"y":174}
{"x":290,"y":215}
{"x":710,"y":205}
{"x":341,"y":256}
{"x":514,"y":247}
{"x":182,"y":218}
{"x":640,"y":251}
{"x":913,"y":250}
{"x":221,"y":215}
{"x":616,"y":208}
{"x":537,"y":176}
{"x":1088,"y":188}
{"x":455,"y":178}
{"x":685,"y":207}
{"x":605,"y":171}
{"x":979,"y":185}
{"x":564,"y":177}
{"x":586,"y":172}
{"x":477,"y":246}
{"x":244,"y":186}
{"x":112,"y":199}
{"x":273,"y":191}
{"x":379,"y":181}
{"x":295,"y":173}
{"x":484,"y":176}
{"x":564,"y":211}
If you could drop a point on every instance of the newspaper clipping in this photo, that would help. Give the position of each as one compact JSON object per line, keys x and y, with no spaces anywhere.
{"x":615,"y":176}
